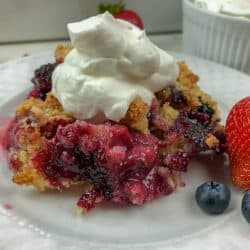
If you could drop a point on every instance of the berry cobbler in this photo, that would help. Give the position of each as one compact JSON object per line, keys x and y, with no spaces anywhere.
{"x":113,"y":112}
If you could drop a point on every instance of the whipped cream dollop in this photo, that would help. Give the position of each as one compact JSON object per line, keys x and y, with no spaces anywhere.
{"x":112,"y":63}
{"x":239,"y":8}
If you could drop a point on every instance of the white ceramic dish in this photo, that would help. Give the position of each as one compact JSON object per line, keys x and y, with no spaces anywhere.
{"x":49,"y":218}
{"x":221,"y":38}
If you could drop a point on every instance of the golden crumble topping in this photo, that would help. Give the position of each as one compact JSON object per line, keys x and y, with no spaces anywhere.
{"x":169,"y":113}
{"x":33,"y":116}
{"x":136,"y":116}
{"x":42,"y":111}
{"x":61,"y":51}
{"x":187,"y":82}
{"x":29,"y":176}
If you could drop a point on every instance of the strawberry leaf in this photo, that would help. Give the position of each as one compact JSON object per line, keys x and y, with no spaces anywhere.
{"x":111,"y":8}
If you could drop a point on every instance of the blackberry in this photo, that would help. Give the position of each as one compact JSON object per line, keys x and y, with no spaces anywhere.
{"x":42,"y":79}
{"x":205,"y":108}
{"x":195,"y":126}
{"x":177,"y":98}
{"x":91,"y":170}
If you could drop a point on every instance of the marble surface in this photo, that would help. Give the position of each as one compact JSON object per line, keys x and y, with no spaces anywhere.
{"x":172,"y":42}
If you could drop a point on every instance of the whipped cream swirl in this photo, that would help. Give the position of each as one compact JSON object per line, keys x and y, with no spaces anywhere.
{"x":112,"y":63}
{"x":239,"y":8}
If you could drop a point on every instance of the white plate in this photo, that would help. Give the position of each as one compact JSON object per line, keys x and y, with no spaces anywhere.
{"x":163,"y":222}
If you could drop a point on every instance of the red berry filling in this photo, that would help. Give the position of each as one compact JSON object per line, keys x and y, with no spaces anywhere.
{"x":42,"y":81}
{"x":122,"y":165}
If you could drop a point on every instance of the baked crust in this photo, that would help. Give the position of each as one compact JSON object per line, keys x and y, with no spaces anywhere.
{"x":187,"y":82}
{"x":35,"y":120}
{"x":136,"y":116}
{"x":61,"y":51}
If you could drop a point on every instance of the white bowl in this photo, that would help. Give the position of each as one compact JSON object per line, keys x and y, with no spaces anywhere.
{"x":221,"y":38}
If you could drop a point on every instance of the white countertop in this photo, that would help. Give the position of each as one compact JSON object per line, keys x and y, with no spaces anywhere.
{"x":171,"y":42}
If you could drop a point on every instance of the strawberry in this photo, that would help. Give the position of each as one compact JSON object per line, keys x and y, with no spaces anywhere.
{"x":238,"y":143}
{"x":118,"y":11}
{"x":130,"y":16}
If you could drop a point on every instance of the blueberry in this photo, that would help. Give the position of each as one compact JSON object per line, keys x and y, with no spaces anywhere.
{"x":213,"y":197}
{"x":245,"y":206}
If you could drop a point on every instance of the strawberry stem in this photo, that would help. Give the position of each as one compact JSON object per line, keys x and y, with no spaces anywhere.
{"x":111,"y":8}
